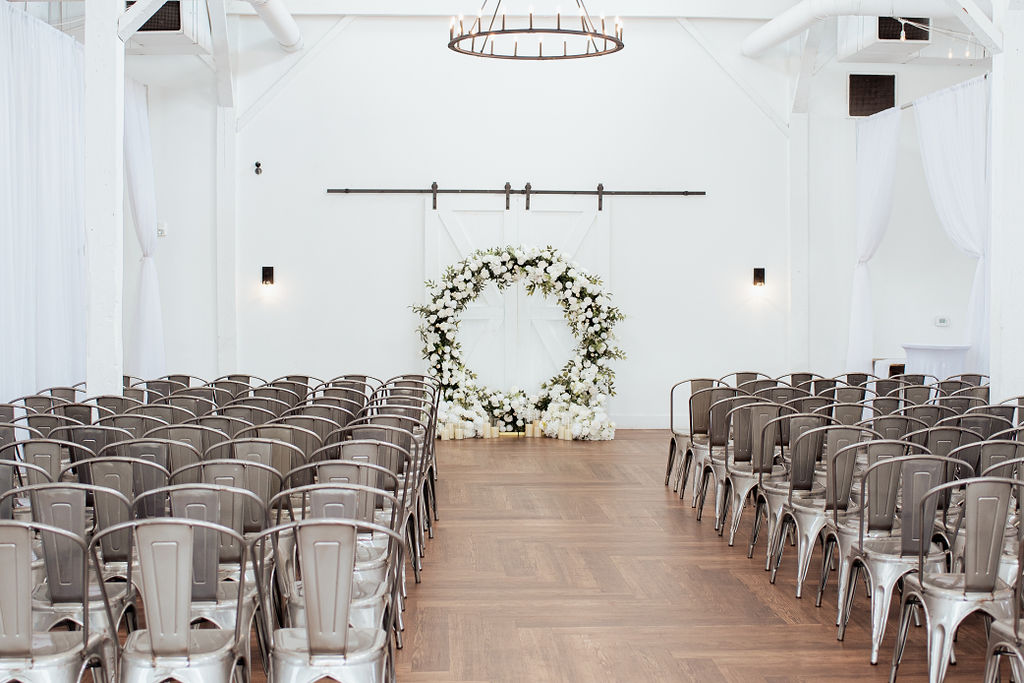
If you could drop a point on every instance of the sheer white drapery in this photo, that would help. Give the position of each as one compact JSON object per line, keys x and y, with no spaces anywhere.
{"x":953,"y":131}
{"x":146,"y":353}
{"x":42,"y":225}
{"x":877,"y":145}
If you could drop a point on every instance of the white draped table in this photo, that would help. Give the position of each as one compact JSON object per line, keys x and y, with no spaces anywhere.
{"x":938,"y":360}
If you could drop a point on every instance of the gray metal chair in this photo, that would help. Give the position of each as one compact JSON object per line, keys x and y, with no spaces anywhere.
{"x":46,"y":454}
{"x":35,"y":655}
{"x":808,"y":503}
{"x":893,"y":490}
{"x":328,"y":647}
{"x":375,"y":585}
{"x":62,"y":597}
{"x":1005,"y":637}
{"x":700,"y":443}
{"x":745,"y":461}
{"x":713,"y":470}
{"x":948,"y":598}
{"x":170,"y":573}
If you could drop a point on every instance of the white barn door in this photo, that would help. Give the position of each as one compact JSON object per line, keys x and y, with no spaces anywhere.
{"x":509,"y":338}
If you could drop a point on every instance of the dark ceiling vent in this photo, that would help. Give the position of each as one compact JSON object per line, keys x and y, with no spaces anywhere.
{"x":167,"y":18}
{"x":871,"y":93}
{"x":889,"y":28}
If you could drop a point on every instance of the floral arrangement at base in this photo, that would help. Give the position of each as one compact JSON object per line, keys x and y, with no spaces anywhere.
{"x":573,"y":403}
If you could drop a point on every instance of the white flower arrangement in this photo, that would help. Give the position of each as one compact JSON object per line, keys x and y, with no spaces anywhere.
{"x":575,"y":398}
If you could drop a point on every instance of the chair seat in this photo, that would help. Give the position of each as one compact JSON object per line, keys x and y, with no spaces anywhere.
{"x":207,"y":643}
{"x":747,"y":469}
{"x":953,"y":584}
{"x":1003,"y":630}
{"x":889,"y":547}
{"x":49,"y":648}
{"x":364,"y":645}
{"x":116,"y":591}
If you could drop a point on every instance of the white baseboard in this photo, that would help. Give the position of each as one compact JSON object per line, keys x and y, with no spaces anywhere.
{"x":640,"y":421}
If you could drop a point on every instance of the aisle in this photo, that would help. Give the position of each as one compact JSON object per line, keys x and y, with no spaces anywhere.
{"x":560,"y":561}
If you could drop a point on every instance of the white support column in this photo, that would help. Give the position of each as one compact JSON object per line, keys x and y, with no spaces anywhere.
{"x":227,"y":324}
{"x":1007,"y":158}
{"x":799,"y":232}
{"x":104,"y":191}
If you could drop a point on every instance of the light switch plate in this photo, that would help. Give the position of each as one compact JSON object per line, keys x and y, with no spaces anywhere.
{"x":161,"y":229}
{"x":941,"y":321}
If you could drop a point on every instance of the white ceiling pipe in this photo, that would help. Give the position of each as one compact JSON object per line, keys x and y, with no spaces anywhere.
{"x":280,"y":22}
{"x":804,"y":14}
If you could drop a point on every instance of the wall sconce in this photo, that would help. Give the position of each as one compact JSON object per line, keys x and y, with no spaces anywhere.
{"x":268,"y":275}
{"x":759,"y":277}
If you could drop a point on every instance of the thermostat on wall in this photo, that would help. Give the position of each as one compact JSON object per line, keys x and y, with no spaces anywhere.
{"x":941,"y":321}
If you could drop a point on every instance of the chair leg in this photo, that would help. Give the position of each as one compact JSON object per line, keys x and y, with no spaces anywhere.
{"x":826,"y":567}
{"x":756,"y":530}
{"x":806,"y":539}
{"x":723,"y":512}
{"x":671,"y":460}
{"x":775,"y":549}
{"x":698,"y":475}
{"x":843,"y":585}
{"x":906,"y":610}
{"x":940,"y":647}
{"x":684,"y":472}
{"x":847,"y":601}
{"x":881,"y":599}
{"x":719,"y":502}
{"x":736,"y":501}
{"x":701,"y":492}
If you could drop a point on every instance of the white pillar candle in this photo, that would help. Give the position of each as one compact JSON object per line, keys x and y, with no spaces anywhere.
{"x":458,"y":432}
{"x":444,"y":435}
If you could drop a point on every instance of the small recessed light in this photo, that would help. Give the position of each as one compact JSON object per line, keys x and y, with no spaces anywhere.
{"x":268,"y":275}
{"x":759,"y":277}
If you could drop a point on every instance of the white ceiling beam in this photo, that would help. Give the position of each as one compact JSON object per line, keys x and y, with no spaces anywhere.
{"x":135,"y":16}
{"x":726,"y":64}
{"x":221,"y":53}
{"x":807,"y":61}
{"x":978,"y":23}
{"x":761,"y":10}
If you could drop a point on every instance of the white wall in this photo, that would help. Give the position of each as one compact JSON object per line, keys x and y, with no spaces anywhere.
{"x":383,"y":103}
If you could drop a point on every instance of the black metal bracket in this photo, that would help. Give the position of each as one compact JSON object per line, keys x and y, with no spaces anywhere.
{"x":527,"y":192}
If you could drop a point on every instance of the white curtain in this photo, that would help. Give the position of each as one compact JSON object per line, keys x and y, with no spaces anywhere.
{"x":952,"y":128}
{"x":42,"y":226}
{"x":877,"y":145}
{"x":146,"y":357}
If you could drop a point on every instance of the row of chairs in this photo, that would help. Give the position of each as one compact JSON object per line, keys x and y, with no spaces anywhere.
{"x":296,"y":531}
{"x":921,"y":501}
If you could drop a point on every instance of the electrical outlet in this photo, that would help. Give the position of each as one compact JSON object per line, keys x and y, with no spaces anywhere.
{"x":161,"y":229}
{"x":941,"y":321}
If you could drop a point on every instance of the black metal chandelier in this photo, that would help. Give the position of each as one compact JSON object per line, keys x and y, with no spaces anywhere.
{"x":491,"y":34}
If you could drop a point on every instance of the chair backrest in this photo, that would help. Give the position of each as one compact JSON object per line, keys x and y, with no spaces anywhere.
{"x":42,"y":453}
{"x":305,"y":440}
{"x":166,"y":566}
{"x":326,"y":550}
{"x":11,"y":474}
{"x":63,"y":505}
{"x":929,"y":413}
{"x":982,"y":516}
{"x":260,"y":480}
{"x":700,"y":402}
{"x":251,"y":413}
{"x":17,"y":552}
{"x":894,"y":427}
{"x":130,"y":476}
{"x":766,"y":434}
{"x":186,"y":442}
{"x":1000,"y":458}
{"x":222,"y":423}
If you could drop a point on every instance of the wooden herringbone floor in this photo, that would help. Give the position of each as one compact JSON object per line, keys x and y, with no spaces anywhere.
{"x":558,"y":561}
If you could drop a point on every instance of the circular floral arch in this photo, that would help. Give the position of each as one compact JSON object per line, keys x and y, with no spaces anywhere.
{"x":576,"y":397}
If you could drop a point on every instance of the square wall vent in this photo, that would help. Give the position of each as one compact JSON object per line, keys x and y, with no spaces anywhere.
{"x":871,"y":93}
